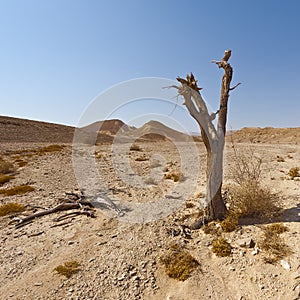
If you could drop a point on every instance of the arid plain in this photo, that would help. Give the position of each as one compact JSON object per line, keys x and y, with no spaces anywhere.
{"x":119,"y":257}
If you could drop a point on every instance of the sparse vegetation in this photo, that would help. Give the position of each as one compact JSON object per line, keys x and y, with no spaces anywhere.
{"x":179,"y":263}
{"x":246,"y":166}
{"x":221,"y":247}
{"x":50,"y":148}
{"x":68,"y":268}
{"x":212,"y":228}
{"x":6,"y":167}
{"x":249,"y":199}
{"x":10,"y":208}
{"x":274,"y":246}
{"x":278,"y":228}
{"x":142,"y":158}
{"x":174,"y":175}
{"x":230,"y":223}
{"x":5,"y":178}
{"x":17,"y":190}
{"x":294,"y":172}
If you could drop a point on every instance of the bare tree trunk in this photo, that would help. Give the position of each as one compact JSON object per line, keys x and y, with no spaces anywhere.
{"x":213,"y":138}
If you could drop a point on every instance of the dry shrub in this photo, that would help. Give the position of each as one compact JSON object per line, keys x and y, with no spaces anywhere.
{"x":68,"y":268}
{"x":274,"y":246}
{"x":10,"y":208}
{"x":179,"y":263}
{"x":17,"y":190}
{"x":5,"y":178}
{"x":135,"y":147}
{"x":6,"y":167}
{"x":221,"y":247}
{"x":278,"y":228}
{"x":174,"y":175}
{"x":294,"y":172}
{"x":249,"y":199}
{"x":50,"y":148}
{"x":142,"y":158}
{"x":246,"y":166}
{"x":230,"y":223}
{"x":212,"y":228}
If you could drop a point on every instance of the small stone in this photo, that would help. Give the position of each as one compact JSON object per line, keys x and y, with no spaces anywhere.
{"x":285,"y":264}
{"x":122,"y":277}
{"x":231,"y":268}
{"x":71,"y":290}
{"x":246,"y":243}
{"x":261,"y":286}
{"x":70,"y":242}
{"x":255,"y":251}
{"x":38,"y":284}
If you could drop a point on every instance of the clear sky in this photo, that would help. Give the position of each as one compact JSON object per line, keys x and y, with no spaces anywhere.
{"x":57,"y":56}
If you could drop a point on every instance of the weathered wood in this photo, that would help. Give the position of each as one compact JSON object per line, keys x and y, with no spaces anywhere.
{"x":213,"y":138}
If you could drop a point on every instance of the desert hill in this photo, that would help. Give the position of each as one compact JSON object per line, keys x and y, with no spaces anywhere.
{"x":22,"y":130}
{"x":267,"y":135}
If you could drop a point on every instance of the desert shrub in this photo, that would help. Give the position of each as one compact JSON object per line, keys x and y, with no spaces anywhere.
{"x":50,"y":148}
{"x":274,"y":246}
{"x":174,"y":175}
{"x":6,"y":167}
{"x":10,"y":208}
{"x":294,"y":172}
{"x":68,"y":268}
{"x":249,"y":199}
{"x":278,"y":228}
{"x":135,"y":147}
{"x":179,"y":263}
{"x":221,"y":247}
{"x":212,"y":228}
{"x":230,"y":223}
{"x":246,"y":166}
{"x":5,"y":178}
{"x":142,"y":158}
{"x":17,"y":190}
{"x":21,"y":162}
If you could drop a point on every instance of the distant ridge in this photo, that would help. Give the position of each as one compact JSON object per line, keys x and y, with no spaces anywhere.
{"x":22,"y":130}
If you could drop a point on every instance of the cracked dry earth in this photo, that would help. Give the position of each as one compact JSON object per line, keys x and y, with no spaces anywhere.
{"x":120,"y":259}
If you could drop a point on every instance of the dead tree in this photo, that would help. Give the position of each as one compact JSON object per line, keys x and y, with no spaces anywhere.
{"x":213,"y":137}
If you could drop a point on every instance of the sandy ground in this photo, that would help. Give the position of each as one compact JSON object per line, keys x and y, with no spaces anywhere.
{"x":120,"y":259}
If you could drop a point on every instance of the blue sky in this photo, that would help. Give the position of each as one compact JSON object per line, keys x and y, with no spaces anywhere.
{"x":57,"y":56}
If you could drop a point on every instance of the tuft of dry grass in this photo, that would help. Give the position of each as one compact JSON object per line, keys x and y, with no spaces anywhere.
{"x":221,"y":247}
{"x":274,"y":246}
{"x":179,"y":263}
{"x":142,"y":158}
{"x":230,"y":223}
{"x":5,"y":178}
{"x":10,"y":208}
{"x":17,"y":190}
{"x":50,"y":148}
{"x":278,"y":228}
{"x":212,"y":228}
{"x":294,"y":172}
{"x":249,"y":199}
{"x":6,"y":167}
{"x":174,"y":175}
{"x":68,"y":268}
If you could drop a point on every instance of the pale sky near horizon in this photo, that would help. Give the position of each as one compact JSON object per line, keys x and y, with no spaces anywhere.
{"x":57,"y":56}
